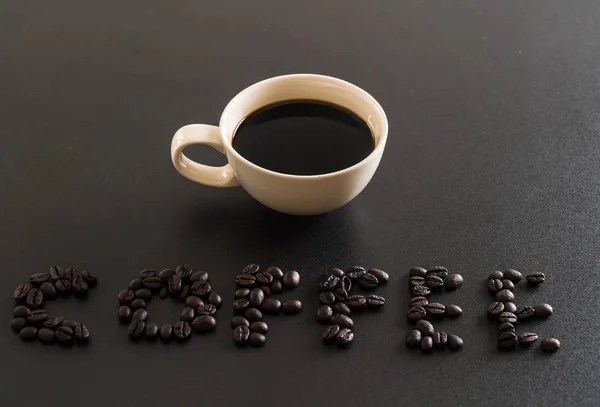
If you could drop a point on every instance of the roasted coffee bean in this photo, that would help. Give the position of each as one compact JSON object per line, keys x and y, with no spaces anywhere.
{"x":181,"y":330}
{"x":496,"y":275}
{"x":524,"y":312}
{"x":550,"y":345}
{"x":420,"y":290}
{"x":63,"y":286}
{"x":266,"y":290}
{"x":38,"y":278}
{"x":331,"y":332}
{"x":53,"y":322}
{"x":199,"y":276}
{"x":494,"y":285}
{"x":145,"y":273}
{"x":90,"y":277}
{"x":324,"y":314}
{"x":241,"y":334}
{"x":413,"y":340}
{"x":64,"y":334}
{"x":184,"y":271}
{"x":141,"y":314}
{"x":18,"y":323}
{"x":327,"y":298}
{"x":151,"y":332}
{"x":495,"y":308}
{"x":56,"y":273}
{"x":153,"y":283}
{"x":185,"y":292}
{"x":368,"y":281}
{"x":215,"y":299}
{"x":416,"y":281}
{"x":194,"y":302}
{"x":45,"y":335}
{"x":276,"y":286}
{"x":291,"y":279}
{"x":355,"y":272}
{"x":417,"y":313}
{"x":543,"y":310}
{"x":124,"y":313}
{"x":439,"y":271}
{"x":374,"y":301}
{"x":200,"y":288}
{"x":187,"y":314}
{"x":136,"y":328}
{"x":336,"y":272}
{"x":329,"y":282}
{"x":440,"y":338}
{"x":527,"y":338}
{"x":264,"y":278}
{"x":536,"y":278}
{"x":257,"y":339}
{"x":241,"y":305}
{"x":70,"y":273}
{"x":435,"y":309}
{"x":506,"y":327}
{"x":48,"y":290}
{"x":434,"y":282}
{"x":166,"y":274}
{"x":453,"y":281}
{"x":418,"y":301}
{"x":81,"y":332}
{"x":242,"y":293}
{"x":346,"y":283}
{"x":382,"y":276}
{"x":341,"y":308}
{"x":143,"y":293}
{"x":136,"y":284}
{"x":206,"y":309}
{"x":275,"y":272}
{"x":257,"y":296}
{"x":271,"y":305}
{"x":253,"y":314}
{"x":345,"y":336}
{"x":166,"y":332}
{"x":454,"y":342}
{"x":21,"y":292}
{"x":507,"y":340}
{"x":251,"y":269}
{"x":343,"y":321}
{"x":163,"y":293}
{"x":291,"y":306}
{"x":505,"y":296}
{"x":260,"y":327}
{"x":28,"y":333}
{"x":356,"y":301}
{"x":70,"y":323}
{"x":425,"y":327}
{"x":507,"y":317}
{"x":510,"y":307}
{"x":453,"y":311}
{"x":175,"y":284}
{"x":35,"y":298}
{"x":426,"y":344}
{"x":239,"y":320}
{"x":79,"y":286}
{"x":513,"y":275}
{"x":21,"y":311}
{"x":137,"y":304}
{"x":245,"y":280}
{"x":340,"y":293}
{"x":417,"y":272}
{"x":126,"y":296}
{"x":507,"y":284}
{"x":204,"y":323}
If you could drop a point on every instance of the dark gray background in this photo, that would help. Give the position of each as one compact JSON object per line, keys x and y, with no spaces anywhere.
{"x":492,"y":161}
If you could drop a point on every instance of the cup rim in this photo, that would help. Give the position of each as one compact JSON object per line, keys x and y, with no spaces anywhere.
{"x":376,"y":151}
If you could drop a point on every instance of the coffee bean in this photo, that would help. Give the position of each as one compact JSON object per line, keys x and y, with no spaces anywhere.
{"x":185,"y":292}
{"x":435,"y":309}
{"x":275,"y":272}
{"x":508,"y":285}
{"x":345,"y":336}
{"x":89,"y":277}
{"x":417,"y":313}
{"x":175,"y":284}
{"x":35,"y":298}
{"x":355,"y":272}
{"x":375,"y":301}
{"x":336,"y":272}
{"x":510,"y":307}
{"x":421,"y":291}
{"x":145,"y":273}
{"x":151,"y":332}
{"x":53,"y":322}
{"x":204,"y":323}
{"x":507,"y":317}
{"x":327,"y":298}
{"x":153,"y":283}
{"x":513,"y":275}
{"x":494,"y":285}
{"x":200,"y":288}
{"x":48,"y":289}
{"x":524,"y":312}
{"x":356,"y":301}
{"x":126,"y":296}
{"x":260,"y":327}
{"x":181,"y":330}
{"x":21,"y":311}
{"x":291,"y":306}
{"x":141,"y":314}
{"x":413,"y":340}
{"x":276,"y":286}
{"x":426,"y":344}
{"x":251,"y":269}
{"x":206,"y":309}
{"x":70,"y":323}
{"x":28,"y":333}
{"x":506,"y":327}
{"x":193,"y":301}
{"x":187,"y":314}
{"x":79,"y":286}
{"x":264,"y":278}
{"x":331,"y":332}
{"x":215,"y":299}
{"x":425,"y":327}
{"x":440,"y":338}
{"x":505,"y":296}
{"x":271,"y":305}
{"x":253,"y":314}
{"x":527,"y":338}
{"x":439,"y":271}
{"x":37,"y":317}
{"x":136,"y":284}
{"x":63,"y":286}
{"x":340,"y":293}
{"x":136,"y":329}
{"x":342,"y":320}
{"x":266,"y":290}
{"x":346,"y":283}
{"x":38,"y":278}
{"x":381,"y":275}
{"x":454,"y":281}
{"x":543,"y":310}
{"x":199,"y":276}
{"x":418,"y":301}
{"x":453,"y":311}
{"x":124,"y":313}
{"x":455,"y":342}
{"x":416,"y":281}
{"x":329,"y":282}
{"x":341,"y":308}
{"x":324,"y":314}
{"x":495,"y":308}
{"x":368,"y":281}
{"x":434,"y":282}
{"x":166,"y":274}
{"x":241,"y":334}
{"x":496,"y":275}
{"x":239,"y":320}
{"x":64,"y":334}
{"x":241,"y":305}
{"x":536,"y":278}
{"x":245,"y":280}
{"x":56,"y":273}
{"x":45,"y":335}
{"x":242,"y":293}
{"x":18,"y":323}
{"x":70,"y":273}
{"x":166,"y":332}
{"x":550,"y":344}
{"x":507,"y":340}
{"x":143,"y":293}
{"x":291,"y":279}
{"x":137,"y":304}
{"x":257,"y":296}
{"x":21,"y":292}
{"x":257,"y":339}
{"x":184,"y":271}
{"x":417,"y":272}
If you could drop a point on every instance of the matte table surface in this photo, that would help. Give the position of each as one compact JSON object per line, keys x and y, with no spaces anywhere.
{"x":492,"y":162}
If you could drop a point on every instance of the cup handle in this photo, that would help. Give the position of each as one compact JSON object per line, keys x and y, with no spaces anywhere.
{"x":203,"y":174}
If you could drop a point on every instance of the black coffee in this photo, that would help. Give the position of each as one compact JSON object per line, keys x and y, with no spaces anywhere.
{"x":303,"y":137}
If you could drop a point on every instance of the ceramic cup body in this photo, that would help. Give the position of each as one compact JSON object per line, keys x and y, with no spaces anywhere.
{"x":293,"y":194}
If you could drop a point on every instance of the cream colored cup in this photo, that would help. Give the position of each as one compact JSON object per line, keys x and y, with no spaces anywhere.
{"x":294,"y":194}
